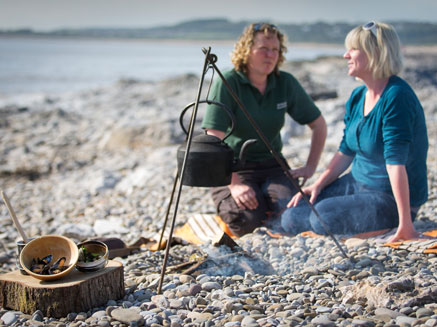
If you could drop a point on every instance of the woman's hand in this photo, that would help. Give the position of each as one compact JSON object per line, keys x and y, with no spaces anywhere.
{"x":302,"y":172}
{"x":244,"y":196}
{"x":312,"y":191}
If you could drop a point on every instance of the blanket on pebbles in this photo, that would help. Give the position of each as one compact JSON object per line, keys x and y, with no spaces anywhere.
{"x":201,"y":228}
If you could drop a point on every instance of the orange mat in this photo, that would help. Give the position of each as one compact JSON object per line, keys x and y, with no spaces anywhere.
{"x":201,"y":228}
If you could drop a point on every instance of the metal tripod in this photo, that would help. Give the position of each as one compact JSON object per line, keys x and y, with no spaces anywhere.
{"x":210,"y":60}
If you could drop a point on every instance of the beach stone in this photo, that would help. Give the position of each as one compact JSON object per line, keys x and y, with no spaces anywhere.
{"x":199,"y":317}
{"x":209,"y":286}
{"x":38,"y":315}
{"x":248,"y":321}
{"x":237,"y":278}
{"x":386,"y":314}
{"x":323,"y":321}
{"x":175,"y":304}
{"x":312,"y":271}
{"x":76,"y":231}
{"x":81,"y":316}
{"x":99,"y":314}
{"x":195,"y":289}
{"x":9,"y":318}
{"x":127,"y":316}
{"x":160,"y":301}
{"x":363,"y":323}
{"x":232,"y":324}
{"x":352,"y":243}
{"x":405,"y":320}
{"x":424,"y":312}
{"x":238,"y":317}
{"x":184,"y":279}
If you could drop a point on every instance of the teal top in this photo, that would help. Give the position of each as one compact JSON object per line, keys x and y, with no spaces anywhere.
{"x":283,"y":95}
{"x":394,"y":132}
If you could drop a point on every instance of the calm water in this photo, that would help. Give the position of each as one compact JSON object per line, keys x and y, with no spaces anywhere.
{"x":54,"y":65}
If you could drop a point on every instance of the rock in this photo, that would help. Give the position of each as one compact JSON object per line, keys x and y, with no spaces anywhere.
{"x":76,"y":231}
{"x":323,"y":321}
{"x":9,"y":318}
{"x":127,"y":316}
{"x":209,"y":286}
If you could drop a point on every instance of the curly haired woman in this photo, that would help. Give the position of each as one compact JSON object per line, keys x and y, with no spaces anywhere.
{"x":259,"y":192}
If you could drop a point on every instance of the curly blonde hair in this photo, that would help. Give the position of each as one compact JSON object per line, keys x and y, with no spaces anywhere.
{"x":383,"y":49}
{"x":240,"y":55}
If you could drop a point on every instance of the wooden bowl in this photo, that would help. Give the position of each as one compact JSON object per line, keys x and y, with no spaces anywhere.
{"x":57,"y":246}
{"x":95,"y":247}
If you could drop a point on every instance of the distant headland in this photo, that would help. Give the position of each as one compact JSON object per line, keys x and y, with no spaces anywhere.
{"x":411,"y":33}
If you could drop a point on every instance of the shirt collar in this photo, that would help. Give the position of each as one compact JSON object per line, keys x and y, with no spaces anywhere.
{"x":271,"y":80}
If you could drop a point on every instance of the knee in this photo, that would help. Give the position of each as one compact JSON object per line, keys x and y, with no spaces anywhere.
{"x":295,"y":221}
{"x":317,"y":225}
{"x":330,"y":218}
{"x":286,"y":221}
{"x":244,"y":222}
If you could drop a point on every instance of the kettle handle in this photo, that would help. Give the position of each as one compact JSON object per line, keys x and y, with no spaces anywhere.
{"x":221,"y":105}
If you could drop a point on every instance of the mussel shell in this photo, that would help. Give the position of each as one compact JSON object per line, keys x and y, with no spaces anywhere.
{"x":58,"y":266}
{"x":37,"y":268}
{"x":47,"y":259}
{"x":59,"y":263}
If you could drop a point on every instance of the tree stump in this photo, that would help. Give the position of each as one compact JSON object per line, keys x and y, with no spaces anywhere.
{"x":76,"y":292}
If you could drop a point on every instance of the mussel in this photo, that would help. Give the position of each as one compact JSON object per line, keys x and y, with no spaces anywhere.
{"x":43,"y":266}
{"x":58,"y":266}
{"x":46,"y":260}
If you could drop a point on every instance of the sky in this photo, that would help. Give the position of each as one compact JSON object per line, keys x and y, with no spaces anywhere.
{"x":45,"y":15}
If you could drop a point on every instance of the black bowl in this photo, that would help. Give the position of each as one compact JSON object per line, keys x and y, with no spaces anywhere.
{"x":97,"y":249}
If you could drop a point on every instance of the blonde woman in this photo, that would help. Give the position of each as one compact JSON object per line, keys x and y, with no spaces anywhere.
{"x":385,"y":140}
{"x":261,"y":190}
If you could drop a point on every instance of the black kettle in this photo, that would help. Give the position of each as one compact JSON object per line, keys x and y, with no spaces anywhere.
{"x":210,"y":160}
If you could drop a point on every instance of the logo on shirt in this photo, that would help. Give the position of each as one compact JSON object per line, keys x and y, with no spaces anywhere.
{"x":281,"y":105}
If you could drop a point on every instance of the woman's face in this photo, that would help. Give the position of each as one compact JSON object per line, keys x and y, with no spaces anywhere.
{"x":357,"y":62}
{"x":264,"y":54}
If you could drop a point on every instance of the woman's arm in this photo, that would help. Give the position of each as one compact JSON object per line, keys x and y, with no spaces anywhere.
{"x":399,"y":185}
{"x":339,"y":163}
{"x":216,"y":132}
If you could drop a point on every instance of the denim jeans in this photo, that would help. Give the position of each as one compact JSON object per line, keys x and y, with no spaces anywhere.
{"x":345,"y":207}
{"x":273,"y":191}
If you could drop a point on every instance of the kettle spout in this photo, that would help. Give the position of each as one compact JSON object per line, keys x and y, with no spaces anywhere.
{"x":240,"y":163}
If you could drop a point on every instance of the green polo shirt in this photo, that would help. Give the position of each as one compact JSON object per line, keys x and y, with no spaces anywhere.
{"x":283,"y":94}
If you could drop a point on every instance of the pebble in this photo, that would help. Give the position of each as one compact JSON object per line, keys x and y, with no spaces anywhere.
{"x":9,"y":318}
{"x":127,"y":316}
{"x":104,"y":160}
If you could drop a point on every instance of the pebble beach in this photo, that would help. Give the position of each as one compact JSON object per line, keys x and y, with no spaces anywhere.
{"x":102,"y":162}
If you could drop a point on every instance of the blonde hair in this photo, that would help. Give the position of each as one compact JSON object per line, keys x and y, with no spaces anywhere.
{"x":383,"y":50}
{"x":240,"y":55}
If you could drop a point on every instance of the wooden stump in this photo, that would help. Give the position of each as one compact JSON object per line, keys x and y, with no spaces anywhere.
{"x":76,"y":292}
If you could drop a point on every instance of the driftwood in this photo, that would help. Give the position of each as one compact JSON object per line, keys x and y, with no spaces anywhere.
{"x":76,"y":292}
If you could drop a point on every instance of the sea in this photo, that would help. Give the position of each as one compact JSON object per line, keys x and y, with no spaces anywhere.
{"x":58,"y":65}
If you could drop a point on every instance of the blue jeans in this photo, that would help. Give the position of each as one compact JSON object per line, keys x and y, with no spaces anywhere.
{"x":345,"y":207}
